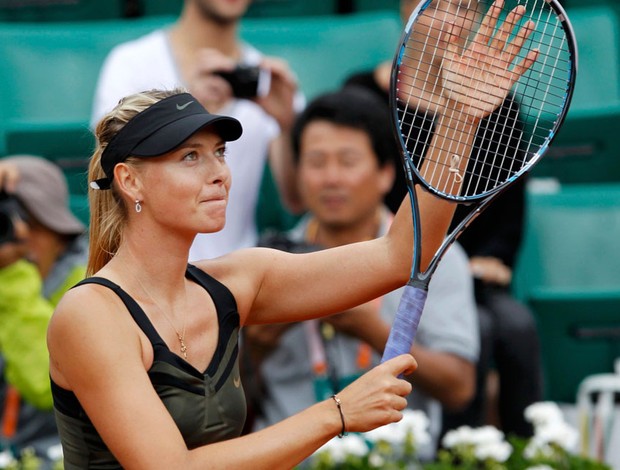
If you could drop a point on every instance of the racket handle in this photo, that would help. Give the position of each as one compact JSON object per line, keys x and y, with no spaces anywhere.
{"x":406,"y":322}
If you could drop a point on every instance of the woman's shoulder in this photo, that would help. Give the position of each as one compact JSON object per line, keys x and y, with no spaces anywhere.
{"x":86,"y":304}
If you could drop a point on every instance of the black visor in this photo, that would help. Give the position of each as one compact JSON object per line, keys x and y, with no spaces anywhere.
{"x":161,"y":128}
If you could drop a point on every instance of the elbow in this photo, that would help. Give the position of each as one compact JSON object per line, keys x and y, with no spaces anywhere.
{"x":459,"y":398}
{"x":461,"y":393}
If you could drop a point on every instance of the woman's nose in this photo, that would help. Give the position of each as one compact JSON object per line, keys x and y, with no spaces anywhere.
{"x":217,"y":171}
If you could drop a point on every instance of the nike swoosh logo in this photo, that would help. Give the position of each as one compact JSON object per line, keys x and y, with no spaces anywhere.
{"x":181,"y":107}
{"x":237,"y":382}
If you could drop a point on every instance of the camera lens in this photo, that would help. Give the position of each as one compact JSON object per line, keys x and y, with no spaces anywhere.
{"x":6,"y":228}
{"x":8,"y":210}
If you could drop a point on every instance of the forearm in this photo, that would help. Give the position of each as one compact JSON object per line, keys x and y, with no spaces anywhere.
{"x":364,"y":323}
{"x":281,"y":446}
{"x":452,"y":137}
{"x":446,"y":377}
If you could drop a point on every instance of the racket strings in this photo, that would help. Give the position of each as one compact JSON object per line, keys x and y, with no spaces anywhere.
{"x":511,"y":138}
{"x":500,"y":130}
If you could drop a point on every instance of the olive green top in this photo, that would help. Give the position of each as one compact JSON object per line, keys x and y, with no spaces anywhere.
{"x":207,"y":406}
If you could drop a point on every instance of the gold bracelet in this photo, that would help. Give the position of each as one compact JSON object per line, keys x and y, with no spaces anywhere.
{"x":339,"y":405}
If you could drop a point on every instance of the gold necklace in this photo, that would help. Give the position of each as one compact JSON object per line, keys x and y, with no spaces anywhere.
{"x":180,"y":336}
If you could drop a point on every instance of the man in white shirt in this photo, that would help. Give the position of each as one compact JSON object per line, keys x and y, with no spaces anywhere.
{"x":202,"y":41}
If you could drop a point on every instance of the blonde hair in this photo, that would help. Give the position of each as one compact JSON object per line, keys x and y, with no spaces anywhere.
{"x":108,"y":211}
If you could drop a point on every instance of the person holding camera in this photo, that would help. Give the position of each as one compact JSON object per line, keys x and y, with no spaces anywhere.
{"x":203,"y":53}
{"x":43,"y":252}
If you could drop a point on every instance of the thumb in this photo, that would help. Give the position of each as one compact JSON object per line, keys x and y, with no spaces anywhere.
{"x":404,"y":364}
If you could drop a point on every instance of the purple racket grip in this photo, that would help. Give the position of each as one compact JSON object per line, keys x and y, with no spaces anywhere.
{"x":406,"y":322}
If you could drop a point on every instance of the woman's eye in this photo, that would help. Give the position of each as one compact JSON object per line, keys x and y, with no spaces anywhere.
{"x":220,"y":153}
{"x":191,"y":156}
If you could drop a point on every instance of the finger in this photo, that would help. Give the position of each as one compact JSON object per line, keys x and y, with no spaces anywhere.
{"x":516,"y":44}
{"x":505,"y":30}
{"x":524,"y":65}
{"x":449,"y":43}
{"x":403,"y":388}
{"x":403,"y":364}
{"x":9,"y":178}
{"x":451,"y":34}
{"x":489,"y":22}
{"x":400,"y":403}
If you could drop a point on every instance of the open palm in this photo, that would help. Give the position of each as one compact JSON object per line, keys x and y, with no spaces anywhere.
{"x":476,"y":80}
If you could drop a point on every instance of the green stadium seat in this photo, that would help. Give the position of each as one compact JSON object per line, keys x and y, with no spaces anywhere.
{"x":61,"y":10}
{"x":67,"y":144}
{"x":258,"y":8}
{"x":569,"y":273}
{"x":580,"y":336}
{"x":47,"y":81}
{"x":160,"y":7}
{"x":78,"y":203}
{"x":374,"y":5}
{"x":569,"y":5}
{"x":570,"y":240}
{"x":48,"y":71}
{"x":324,"y":50}
{"x":270,"y":212}
{"x":586,"y":148}
{"x":288,"y":8}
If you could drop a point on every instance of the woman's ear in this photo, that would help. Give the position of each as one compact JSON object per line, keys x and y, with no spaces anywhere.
{"x":128,"y":181}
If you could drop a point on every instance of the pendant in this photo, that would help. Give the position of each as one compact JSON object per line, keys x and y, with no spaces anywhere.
{"x":183,"y":347}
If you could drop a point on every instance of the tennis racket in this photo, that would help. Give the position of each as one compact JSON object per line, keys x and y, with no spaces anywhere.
{"x":478,"y":92}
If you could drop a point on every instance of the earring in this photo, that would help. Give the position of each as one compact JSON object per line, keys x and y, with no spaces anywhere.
{"x":138,"y":206}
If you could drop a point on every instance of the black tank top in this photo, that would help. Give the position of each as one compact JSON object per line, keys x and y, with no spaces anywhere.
{"x":207,"y":406}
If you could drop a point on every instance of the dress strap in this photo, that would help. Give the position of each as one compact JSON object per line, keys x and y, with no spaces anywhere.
{"x":132,"y":306}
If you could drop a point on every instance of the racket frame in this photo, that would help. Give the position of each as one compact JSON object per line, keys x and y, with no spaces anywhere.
{"x":421,"y":279}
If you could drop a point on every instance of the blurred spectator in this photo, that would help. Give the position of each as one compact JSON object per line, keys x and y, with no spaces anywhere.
{"x":343,"y":144}
{"x":201,"y":43}
{"x":509,"y":340}
{"x":42,"y":254}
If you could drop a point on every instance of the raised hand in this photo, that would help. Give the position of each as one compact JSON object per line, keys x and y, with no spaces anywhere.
{"x":279,"y":102}
{"x":477,"y":80}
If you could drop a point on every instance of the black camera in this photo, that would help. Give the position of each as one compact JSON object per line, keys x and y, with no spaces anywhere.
{"x":247,"y":81}
{"x":9,"y":210}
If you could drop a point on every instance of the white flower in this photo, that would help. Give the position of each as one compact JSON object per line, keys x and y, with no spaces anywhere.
{"x":54,"y":453}
{"x":388,"y":433}
{"x":465,"y":435}
{"x":498,"y":451}
{"x":458,"y":436}
{"x":487,"y":435}
{"x":559,"y":433}
{"x":351,"y":444}
{"x":6,"y":459}
{"x":538,"y":449}
{"x":414,"y":421}
{"x":376,"y":460}
{"x":543,"y":413}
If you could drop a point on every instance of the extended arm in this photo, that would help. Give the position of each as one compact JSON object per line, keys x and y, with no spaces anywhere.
{"x":110,"y":380}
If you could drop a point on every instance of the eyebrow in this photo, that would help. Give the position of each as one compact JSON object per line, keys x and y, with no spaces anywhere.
{"x":197,"y":144}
